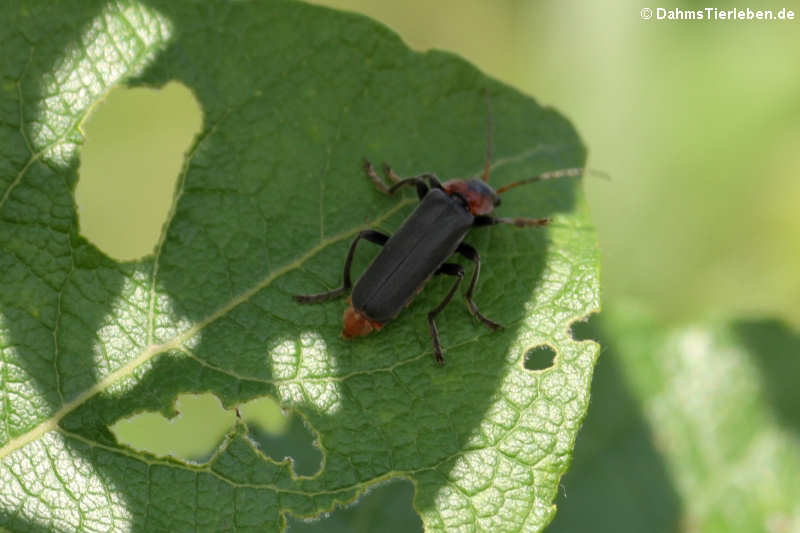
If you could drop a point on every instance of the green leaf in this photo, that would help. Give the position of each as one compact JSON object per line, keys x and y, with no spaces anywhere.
{"x":694,"y":424}
{"x":270,"y":196}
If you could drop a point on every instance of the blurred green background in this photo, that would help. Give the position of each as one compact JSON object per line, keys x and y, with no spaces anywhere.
{"x":698,"y":125}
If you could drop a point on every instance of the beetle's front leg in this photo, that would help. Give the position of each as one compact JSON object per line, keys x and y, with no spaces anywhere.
{"x":369,"y":170}
{"x":372,"y":236}
{"x":417,"y":181}
{"x":389,"y":173}
{"x":520,"y":222}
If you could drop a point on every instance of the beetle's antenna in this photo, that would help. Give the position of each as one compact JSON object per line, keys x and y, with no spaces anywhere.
{"x":485,"y":175}
{"x":553,"y":174}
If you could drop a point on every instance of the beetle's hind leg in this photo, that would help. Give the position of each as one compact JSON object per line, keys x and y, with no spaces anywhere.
{"x":472,"y":254}
{"x":520,"y":222}
{"x":451,"y":269}
{"x":320,"y":297}
{"x":372,"y":236}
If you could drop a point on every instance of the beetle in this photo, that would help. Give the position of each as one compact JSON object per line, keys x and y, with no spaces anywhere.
{"x":419,"y":249}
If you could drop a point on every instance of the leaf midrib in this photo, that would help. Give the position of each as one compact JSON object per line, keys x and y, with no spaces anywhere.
{"x":176,"y":342}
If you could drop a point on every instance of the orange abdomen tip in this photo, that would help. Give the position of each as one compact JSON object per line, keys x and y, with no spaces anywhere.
{"x":356,"y":324}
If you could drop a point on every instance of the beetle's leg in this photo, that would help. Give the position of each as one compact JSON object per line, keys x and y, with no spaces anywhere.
{"x":418,"y":181}
{"x":389,"y":173}
{"x":520,"y":222}
{"x":373,"y":176}
{"x":451,"y":269}
{"x":372,"y":236}
{"x":432,"y":179}
{"x":472,"y":254}
{"x":422,"y":189}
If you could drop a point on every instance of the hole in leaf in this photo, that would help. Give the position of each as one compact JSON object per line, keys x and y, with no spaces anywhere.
{"x":585,"y":329}
{"x":539,"y":357}
{"x":193,"y":435}
{"x":281,"y":436}
{"x":387,"y":508}
{"x":135,"y":145}
{"x":202,"y":422}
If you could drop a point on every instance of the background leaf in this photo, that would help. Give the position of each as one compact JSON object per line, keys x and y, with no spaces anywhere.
{"x":691,"y":426}
{"x":270,"y":194}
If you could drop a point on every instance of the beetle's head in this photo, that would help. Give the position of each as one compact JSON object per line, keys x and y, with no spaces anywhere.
{"x":478,"y":195}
